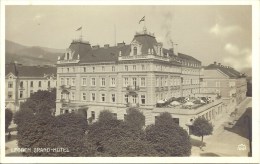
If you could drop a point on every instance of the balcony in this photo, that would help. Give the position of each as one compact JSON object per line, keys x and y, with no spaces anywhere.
{"x":132,"y":105}
{"x":65,"y":101}
{"x":65,"y":87}
{"x":132,"y":88}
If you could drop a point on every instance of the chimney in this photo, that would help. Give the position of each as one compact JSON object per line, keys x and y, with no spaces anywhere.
{"x":215,"y":63}
{"x":121,"y":44}
{"x":96,"y":47}
{"x":106,"y":45}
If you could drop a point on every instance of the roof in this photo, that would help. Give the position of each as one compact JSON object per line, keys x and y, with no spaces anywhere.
{"x":92,"y":55}
{"x":95,"y":54}
{"x":229,"y":71}
{"x":30,"y":71}
{"x":147,"y":41}
{"x":187,"y":57}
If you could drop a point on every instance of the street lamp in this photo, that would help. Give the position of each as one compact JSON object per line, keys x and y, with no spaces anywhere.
{"x":248,"y":121}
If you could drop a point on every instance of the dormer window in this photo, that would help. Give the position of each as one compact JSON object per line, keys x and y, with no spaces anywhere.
{"x":135,"y":50}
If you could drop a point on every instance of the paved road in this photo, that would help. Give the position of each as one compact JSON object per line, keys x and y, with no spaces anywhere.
{"x":224,"y":142}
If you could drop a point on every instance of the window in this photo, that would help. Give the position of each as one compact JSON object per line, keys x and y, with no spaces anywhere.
{"x":93,"y":82}
{"x":40,"y":84}
{"x":126,"y":81}
{"x":84,"y":81}
{"x":113,"y":81}
{"x":84,"y":69}
{"x":115,"y":115}
{"x":217,"y":84}
{"x":126,"y":68}
{"x":93,"y":115}
{"x":103,"y":82}
{"x":134,"y":98}
{"x":62,"y":81}
{"x":113,"y":68}
{"x":72,"y":95}
{"x":68,"y":81}
{"x":134,"y":67}
{"x":31,"y":84}
{"x":176,"y":120}
{"x":49,"y":84}
{"x":10,"y":95}
{"x":143,"y":99}
{"x":135,"y":50}
{"x":84,"y":97}
{"x":103,"y":99}
{"x":113,"y":97}
{"x":21,"y":84}
{"x":134,"y":81}
{"x":21,"y":94}
{"x":143,"y":67}
{"x":126,"y":98}
{"x":93,"y":69}
{"x":73,"y":81}
{"x":93,"y":96}
{"x":103,"y":68}
{"x":161,"y":81}
{"x":68,"y":69}
{"x":142,"y":82}
{"x":68,"y":56}
{"x":157,"y":82}
{"x":165,"y":81}
{"x":10,"y":84}
{"x":31,"y":92}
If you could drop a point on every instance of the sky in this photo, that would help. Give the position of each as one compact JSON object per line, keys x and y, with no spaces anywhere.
{"x":209,"y":33}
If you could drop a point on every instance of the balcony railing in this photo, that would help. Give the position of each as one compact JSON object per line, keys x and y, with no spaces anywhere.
{"x":132,"y":105}
{"x":65,"y":101}
{"x":137,"y":57}
{"x":65,"y":87}
{"x":132,"y":88}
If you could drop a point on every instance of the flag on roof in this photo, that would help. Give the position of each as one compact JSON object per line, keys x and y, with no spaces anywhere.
{"x":143,"y":19}
{"x":79,"y":28}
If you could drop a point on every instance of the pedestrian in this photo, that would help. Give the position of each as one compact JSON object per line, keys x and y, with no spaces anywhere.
{"x":9,"y":136}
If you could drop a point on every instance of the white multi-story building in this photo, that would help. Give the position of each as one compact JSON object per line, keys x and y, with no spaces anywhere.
{"x":21,"y":81}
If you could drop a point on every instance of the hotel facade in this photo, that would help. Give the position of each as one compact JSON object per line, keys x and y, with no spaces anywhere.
{"x":115,"y":78}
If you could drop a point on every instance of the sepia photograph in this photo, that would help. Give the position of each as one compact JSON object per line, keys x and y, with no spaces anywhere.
{"x":127,"y":81}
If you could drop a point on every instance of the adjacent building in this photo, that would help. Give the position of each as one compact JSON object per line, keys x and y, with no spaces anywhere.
{"x":139,"y":74}
{"x":230,"y":84}
{"x":21,"y":81}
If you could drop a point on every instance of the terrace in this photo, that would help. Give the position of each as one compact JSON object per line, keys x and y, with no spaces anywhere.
{"x":185,"y":105}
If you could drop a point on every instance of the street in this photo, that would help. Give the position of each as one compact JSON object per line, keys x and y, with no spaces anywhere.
{"x":227,"y":141}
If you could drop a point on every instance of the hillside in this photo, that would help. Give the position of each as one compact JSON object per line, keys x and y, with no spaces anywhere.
{"x":34,"y":55}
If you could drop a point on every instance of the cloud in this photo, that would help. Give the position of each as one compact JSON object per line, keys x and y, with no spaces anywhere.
{"x":236,"y":57}
{"x":224,"y":31}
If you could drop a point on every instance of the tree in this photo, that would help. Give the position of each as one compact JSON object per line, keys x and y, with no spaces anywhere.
{"x":41,"y":100}
{"x":135,"y":119}
{"x":46,"y":131}
{"x":111,"y":137}
{"x":8,"y":118}
{"x":201,"y":127}
{"x":168,"y":138}
{"x":105,"y":115}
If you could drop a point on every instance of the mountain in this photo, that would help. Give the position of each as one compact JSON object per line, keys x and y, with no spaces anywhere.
{"x":31,"y":55}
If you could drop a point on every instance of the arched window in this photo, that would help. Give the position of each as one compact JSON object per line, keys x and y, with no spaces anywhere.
{"x":135,"y":50}
{"x":68,"y":56}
